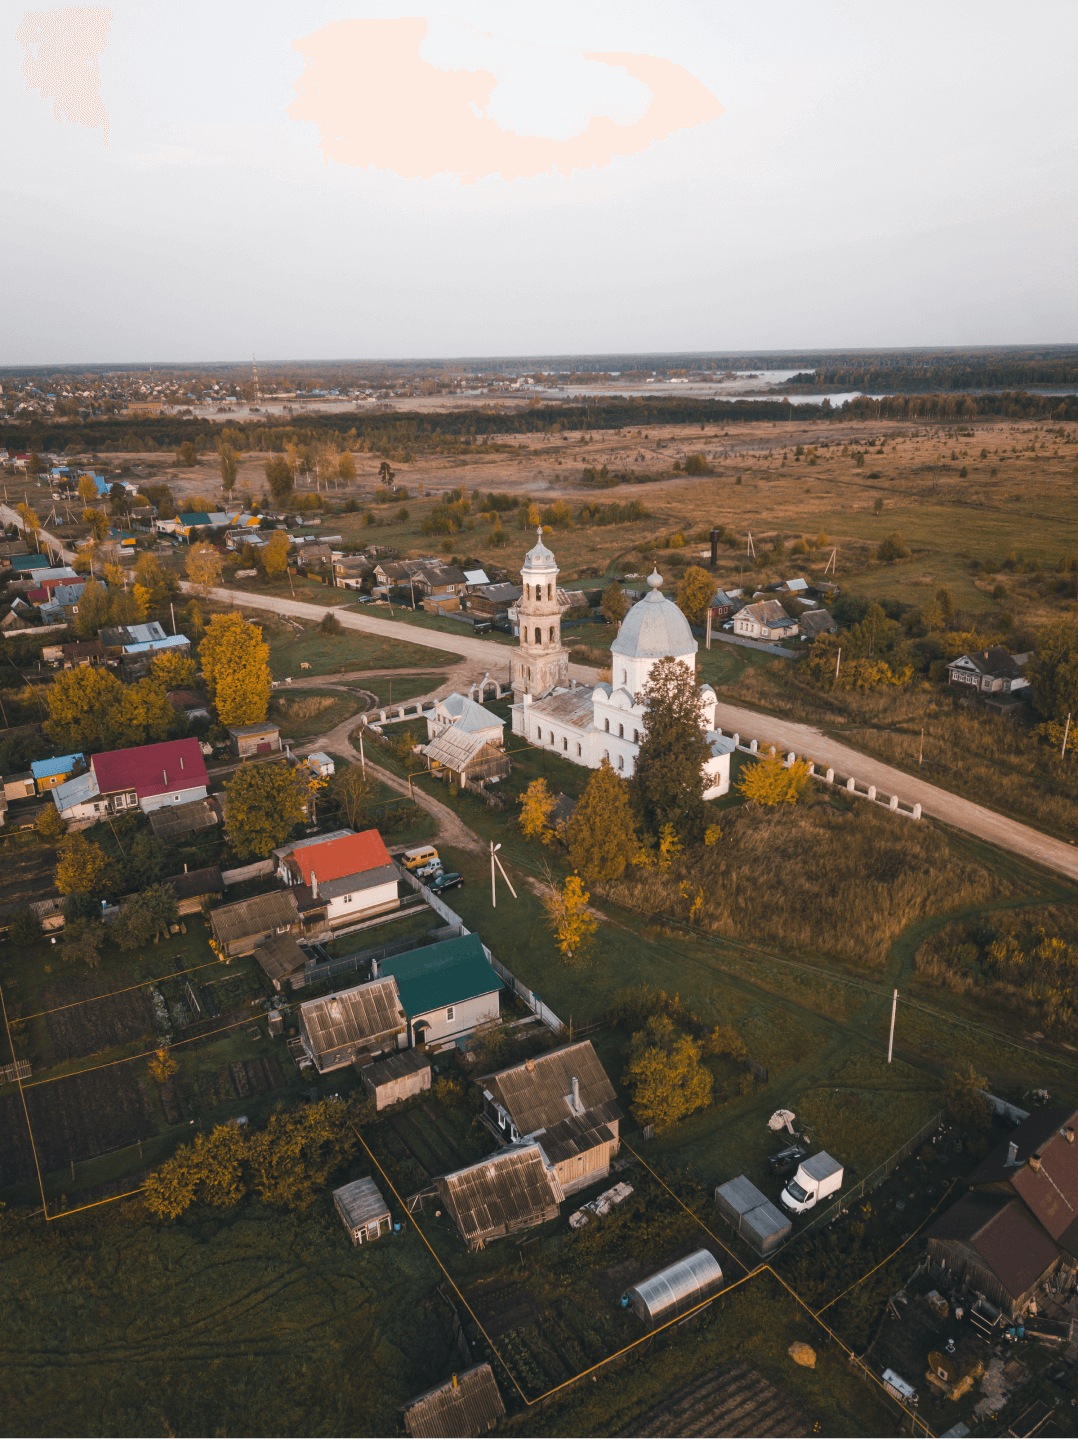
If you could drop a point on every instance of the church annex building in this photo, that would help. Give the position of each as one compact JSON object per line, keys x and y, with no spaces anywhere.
{"x":588,"y":725}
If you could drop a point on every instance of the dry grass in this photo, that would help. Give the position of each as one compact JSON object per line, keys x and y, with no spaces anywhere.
{"x":816,"y":880}
{"x":304,"y":707}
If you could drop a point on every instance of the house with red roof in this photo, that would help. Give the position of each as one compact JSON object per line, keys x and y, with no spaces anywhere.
{"x":146,"y":777}
{"x":340,"y":878}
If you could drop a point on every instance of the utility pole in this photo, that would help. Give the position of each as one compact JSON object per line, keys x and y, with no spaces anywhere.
{"x":838,"y":662}
{"x":172,"y":607}
{"x":891,"y":1041}
{"x":494,"y":848}
{"x":362,"y":761}
{"x":921,"y":756}
{"x":1066,"y":733}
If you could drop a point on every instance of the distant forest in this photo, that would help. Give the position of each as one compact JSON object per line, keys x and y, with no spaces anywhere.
{"x":919,"y":374}
{"x":456,"y":431}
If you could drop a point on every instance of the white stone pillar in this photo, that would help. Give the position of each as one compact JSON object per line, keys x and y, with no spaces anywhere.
{"x":753,"y":746}
{"x":893,"y":804}
{"x":872,"y":791}
{"x":830,"y":776}
{"x":851,"y":785}
{"x":917,"y":811}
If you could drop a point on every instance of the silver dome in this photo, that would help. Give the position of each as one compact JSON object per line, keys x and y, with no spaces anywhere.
{"x":654,"y":627}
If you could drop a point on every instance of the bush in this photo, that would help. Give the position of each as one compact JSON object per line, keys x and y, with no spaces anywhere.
{"x":893,"y":547}
{"x":330,"y":625}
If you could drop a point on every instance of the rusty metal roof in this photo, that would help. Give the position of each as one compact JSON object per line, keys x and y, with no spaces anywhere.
{"x":511,"y":1190}
{"x":538,"y":1093}
{"x":467,"y":1405}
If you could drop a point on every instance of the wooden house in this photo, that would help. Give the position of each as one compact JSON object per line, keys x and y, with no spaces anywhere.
{"x":340,"y":878}
{"x":368,"y":1019}
{"x":501,"y":1195}
{"x":765,"y":621}
{"x":466,"y":1405}
{"x":363,"y":1211}
{"x":466,"y":759}
{"x":281,"y":961}
{"x":196,"y":885}
{"x":389,"y":1081}
{"x":447,"y":989}
{"x":254,"y":739}
{"x":563,"y":1100}
{"x":241,"y":927}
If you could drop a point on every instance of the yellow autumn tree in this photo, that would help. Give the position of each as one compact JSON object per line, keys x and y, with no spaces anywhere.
{"x":203,"y":566}
{"x":275,"y":554}
{"x":570,"y":919}
{"x":235,"y":664}
{"x":535,"y":809}
{"x":171,"y":670}
{"x":769,"y":781}
{"x":82,"y":867}
{"x":694,"y":594}
{"x":665,"y":1074}
{"x":162,"y":1066}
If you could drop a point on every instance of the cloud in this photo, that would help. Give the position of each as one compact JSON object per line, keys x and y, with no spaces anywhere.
{"x":62,"y":47}
{"x":433,"y":98}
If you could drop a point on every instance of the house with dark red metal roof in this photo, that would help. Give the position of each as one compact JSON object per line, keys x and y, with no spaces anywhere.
{"x":347,"y":876}
{"x":147,"y":777}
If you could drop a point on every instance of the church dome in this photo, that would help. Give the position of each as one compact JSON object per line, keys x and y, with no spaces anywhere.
{"x":539,"y":558}
{"x":654,"y":627}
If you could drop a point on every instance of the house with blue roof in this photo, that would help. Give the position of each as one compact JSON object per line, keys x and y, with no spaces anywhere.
{"x":48,"y":773}
{"x":447,"y":989}
{"x":30,"y":562}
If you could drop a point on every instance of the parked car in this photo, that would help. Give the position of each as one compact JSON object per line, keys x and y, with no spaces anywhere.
{"x":787,"y":1160}
{"x":452,"y":880}
{"x":728,"y":625}
{"x":429,"y":870}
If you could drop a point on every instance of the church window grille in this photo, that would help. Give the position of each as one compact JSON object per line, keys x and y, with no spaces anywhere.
{"x":565,"y":745}
{"x":606,"y":726}
{"x":549,"y":591}
{"x":579,"y":750}
{"x":621,"y":761}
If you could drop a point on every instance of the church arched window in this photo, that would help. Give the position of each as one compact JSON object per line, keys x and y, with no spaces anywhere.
{"x":621,"y":731}
{"x":636,"y":736}
{"x":551,"y":634}
{"x":621,"y":761}
{"x":606,"y":755}
{"x":549,"y":591}
{"x":624,"y":677}
{"x":579,"y":751}
{"x":606,"y":725}
{"x":565,"y":745}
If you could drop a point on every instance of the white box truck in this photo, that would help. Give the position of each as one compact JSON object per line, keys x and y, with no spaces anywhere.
{"x":816,"y":1179}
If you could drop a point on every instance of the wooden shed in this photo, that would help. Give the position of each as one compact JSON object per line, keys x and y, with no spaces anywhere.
{"x":195,"y":885}
{"x":399,"y":1077}
{"x":241,"y":927}
{"x":364,"y":1213}
{"x":366,"y":1019}
{"x":463,"y":1407}
{"x":510,"y":1191}
{"x":254,"y":739}
{"x":282,"y":960}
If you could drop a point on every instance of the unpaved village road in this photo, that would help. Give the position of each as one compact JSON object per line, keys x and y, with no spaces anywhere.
{"x":963,"y":814}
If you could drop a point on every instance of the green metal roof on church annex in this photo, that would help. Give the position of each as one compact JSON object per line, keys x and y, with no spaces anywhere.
{"x":438,"y":975}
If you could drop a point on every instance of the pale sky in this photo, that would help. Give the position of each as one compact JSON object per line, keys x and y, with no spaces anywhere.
{"x":726,"y":177}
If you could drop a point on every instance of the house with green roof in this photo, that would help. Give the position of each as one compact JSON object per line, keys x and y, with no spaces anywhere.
{"x":446,"y":989}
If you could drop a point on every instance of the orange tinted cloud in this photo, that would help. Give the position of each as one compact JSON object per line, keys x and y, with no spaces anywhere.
{"x":378,"y":103}
{"x":62,"y":47}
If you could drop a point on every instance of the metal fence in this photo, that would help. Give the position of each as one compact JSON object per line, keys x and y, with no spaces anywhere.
{"x":531,"y":999}
{"x":248,"y":871}
{"x":876,"y":1178}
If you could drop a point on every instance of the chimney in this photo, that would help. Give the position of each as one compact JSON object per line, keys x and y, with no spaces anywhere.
{"x":454,"y":1381}
{"x":181,"y":761}
{"x":1012,"y":1154}
{"x":1068,"y":1134}
{"x":1035,"y":1163}
{"x":577,"y":1106}
{"x":314,"y":885}
{"x":164,"y":775}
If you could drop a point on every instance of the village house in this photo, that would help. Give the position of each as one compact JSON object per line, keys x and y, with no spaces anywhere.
{"x":465,"y":759}
{"x":1018,"y":1223}
{"x":49,"y":773}
{"x":766,"y":620}
{"x":990,"y":672}
{"x":464,"y":714}
{"x":447,"y":989}
{"x":239,"y":928}
{"x":20,"y":786}
{"x":723,"y":605}
{"x":282,"y":961}
{"x":493,"y":600}
{"x":469,"y":1404}
{"x":147,"y":777}
{"x":816,"y":622}
{"x":368,"y":1019}
{"x":254,"y":739}
{"x":586,"y":725}
{"x":349,"y":570}
{"x":340,"y":879}
{"x":513,"y":1190}
{"x":78,"y":655}
{"x":402,"y":1076}
{"x":475,"y":580}
{"x":563,"y":1100}
{"x":137,"y":659}
{"x":115,"y":639}
{"x":195,"y":887}
{"x":62,"y":605}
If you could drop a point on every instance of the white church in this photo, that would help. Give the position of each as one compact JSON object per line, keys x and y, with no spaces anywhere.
{"x":588,"y":725}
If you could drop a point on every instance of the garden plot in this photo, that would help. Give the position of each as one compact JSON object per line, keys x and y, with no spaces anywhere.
{"x":93,"y":1024}
{"x":732,"y":1400}
{"x":75,"y":1118}
{"x":256,"y":1076}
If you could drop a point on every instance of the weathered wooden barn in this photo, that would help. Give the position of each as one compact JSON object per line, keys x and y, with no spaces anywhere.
{"x":501,"y":1195}
{"x":399,"y":1077}
{"x":365,"y":1020}
{"x":463,"y":1407}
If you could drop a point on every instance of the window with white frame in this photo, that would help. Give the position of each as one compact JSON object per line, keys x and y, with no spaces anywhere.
{"x":450,"y":1014}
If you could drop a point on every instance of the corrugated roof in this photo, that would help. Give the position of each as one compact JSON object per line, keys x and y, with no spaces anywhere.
{"x":739,"y":1196}
{"x":441,"y":974}
{"x":388,"y":1071}
{"x":360,"y":1202}
{"x":573,"y":1136}
{"x":678,"y":1287}
{"x":537,"y":1093}
{"x":355,"y":883}
{"x":195,"y":883}
{"x":279,"y":956}
{"x":262,"y":914}
{"x":511,"y":1190}
{"x":242,"y":731}
{"x":572,"y":707}
{"x":1029,"y":1137}
{"x":176,"y":819}
{"x":454,"y":748}
{"x":353,"y":1016}
{"x":62,"y":764}
{"x":151,"y":769}
{"x":469,"y":716}
{"x":461,"y":1408}
{"x":337,"y":858}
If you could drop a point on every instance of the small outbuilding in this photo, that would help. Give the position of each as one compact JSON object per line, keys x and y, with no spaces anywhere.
{"x":364,"y":1213}
{"x":241,"y":927}
{"x":752,"y":1215}
{"x":677,"y":1289}
{"x":281,"y":961}
{"x":510,"y":1191}
{"x":254,"y":739}
{"x":196,"y":885}
{"x":365,"y":1020}
{"x":463,"y":1407}
{"x":399,"y":1077}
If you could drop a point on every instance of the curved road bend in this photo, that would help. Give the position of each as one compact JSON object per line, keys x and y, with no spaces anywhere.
{"x":787,"y":735}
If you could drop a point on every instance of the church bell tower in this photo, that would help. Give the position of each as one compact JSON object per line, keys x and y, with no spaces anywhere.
{"x":540,"y":664}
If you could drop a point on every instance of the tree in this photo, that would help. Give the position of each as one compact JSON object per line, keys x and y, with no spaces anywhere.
{"x":346,"y":466}
{"x":665,"y":1074}
{"x":25,"y":927}
{"x":893,"y":547}
{"x":146,"y":858}
{"x":965,"y":1104}
{"x":203,"y":565}
{"x":235,"y":665}
{"x":264,"y":806}
{"x":87,"y":491}
{"x":195,"y":623}
{"x":144,"y":715}
{"x":771,"y":782}
{"x":535,"y":808}
{"x":279,"y":476}
{"x":172,"y":670}
{"x":93,"y":609}
{"x":229,"y":466}
{"x":187,"y":455}
{"x":669,"y":766}
{"x":82,"y":942}
{"x":385,"y":473}
{"x":30,"y":522}
{"x":162,"y":1066}
{"x":695,"y":593}
{"x":146,"y":917}
{"x":696,"y":465}
{"x":82,"y":867}
{"x":568,"y":916}
{"x":275,"y":554}
{"x":159,"y":584}
{"x":51,"y":827}
{"x":602,"y":833}
{"x":98,"y":522}
{"x":1053,"y":671}
{"x":82,"y":704}
{"x":615,"y":605}
{"x":352,"y":790}
{"x":330,"y":624}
